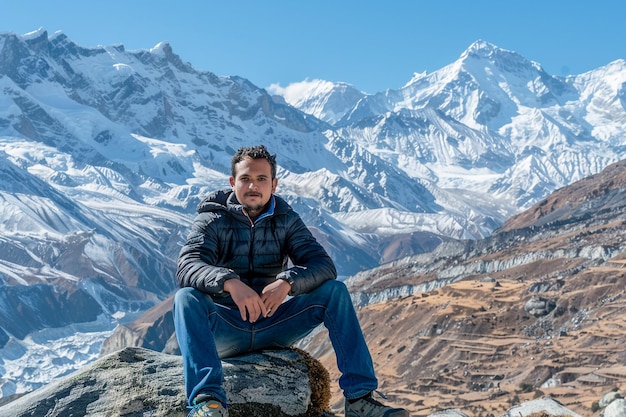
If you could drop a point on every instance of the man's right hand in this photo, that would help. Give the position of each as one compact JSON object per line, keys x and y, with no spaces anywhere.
{"x":251,"y":307}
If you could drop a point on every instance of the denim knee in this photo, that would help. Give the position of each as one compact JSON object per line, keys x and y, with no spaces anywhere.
{"x":189,"y":299}
{"x":183,"y":297}
{"x":334,"y":288}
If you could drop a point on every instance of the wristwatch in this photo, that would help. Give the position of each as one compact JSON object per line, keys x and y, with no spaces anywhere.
{"x":289,"y":279}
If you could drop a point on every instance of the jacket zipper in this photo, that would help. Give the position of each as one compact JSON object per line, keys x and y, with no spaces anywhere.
{"x":250,"y":246}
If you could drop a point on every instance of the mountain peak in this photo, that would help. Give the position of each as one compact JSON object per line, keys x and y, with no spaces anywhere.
{"x":323,"y":99}
{"x":482,"y":50}
{"x":35,"y":34}
{"x":161,"y":47}
{"x":482,"y":47}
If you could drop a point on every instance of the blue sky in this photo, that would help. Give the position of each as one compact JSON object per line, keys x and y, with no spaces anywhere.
{"x":373,"y":45}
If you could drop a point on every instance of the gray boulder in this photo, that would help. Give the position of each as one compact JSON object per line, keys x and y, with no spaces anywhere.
{"x":539,"y":306}
{"x":608,"y":398}
{"x":453,"y":412}
{"x":548,"y":406}
{"x":616,"y":408}
{"x":137,"y":382}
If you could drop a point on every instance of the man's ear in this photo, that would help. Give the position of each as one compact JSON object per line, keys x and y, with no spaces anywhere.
{"x":232,"y":181}
{"x":274,"y":184}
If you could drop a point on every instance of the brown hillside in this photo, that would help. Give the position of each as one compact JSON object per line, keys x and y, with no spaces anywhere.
{"x":603,"y":191}
{"x":538,"y":309}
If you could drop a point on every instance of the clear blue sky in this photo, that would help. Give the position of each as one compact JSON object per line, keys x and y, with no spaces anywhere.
{"x":373,"y":45}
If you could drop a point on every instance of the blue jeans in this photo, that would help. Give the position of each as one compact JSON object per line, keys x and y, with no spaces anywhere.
{"x":207,"y":331}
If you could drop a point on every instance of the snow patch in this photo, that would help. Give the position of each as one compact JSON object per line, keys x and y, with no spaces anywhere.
{"x":50,"y":354}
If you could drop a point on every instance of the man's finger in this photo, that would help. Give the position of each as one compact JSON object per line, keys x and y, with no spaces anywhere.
{"x":263,"y":308}
{"x":243,"y":312}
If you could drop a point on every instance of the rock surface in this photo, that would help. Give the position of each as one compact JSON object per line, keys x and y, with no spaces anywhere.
{"x":540,"y":407}
{"x":616,"y":408}
{"x":138,"y":382}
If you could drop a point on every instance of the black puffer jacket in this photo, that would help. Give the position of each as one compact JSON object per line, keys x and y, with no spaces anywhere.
{"x":223,"y":244}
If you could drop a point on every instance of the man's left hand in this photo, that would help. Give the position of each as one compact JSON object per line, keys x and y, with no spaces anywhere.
{"x":274,"y":294}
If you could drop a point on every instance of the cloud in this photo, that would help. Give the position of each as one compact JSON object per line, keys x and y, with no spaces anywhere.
{"x":295,"y":91}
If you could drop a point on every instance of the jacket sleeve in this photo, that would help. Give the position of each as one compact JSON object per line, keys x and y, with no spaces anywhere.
{"x":312,"y":266}
{"x":197,"y":258}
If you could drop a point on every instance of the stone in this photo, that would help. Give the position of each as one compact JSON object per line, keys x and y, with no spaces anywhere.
{"x":138,"y":382}
{"x":541,"y":406}
{"x":608,"y":398}
{"x":616,"y":408}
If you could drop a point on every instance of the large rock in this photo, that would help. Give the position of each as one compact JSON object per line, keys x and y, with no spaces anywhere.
{"x":540,"y":407}
{"x":136,"y":382}
{"x":617,"y":408}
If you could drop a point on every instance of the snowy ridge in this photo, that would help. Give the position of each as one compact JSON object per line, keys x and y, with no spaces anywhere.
{"x":494,"y":122}
{"x":323,"y":99}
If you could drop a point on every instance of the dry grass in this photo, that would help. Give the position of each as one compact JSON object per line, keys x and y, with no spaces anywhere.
{"x":471,"y":346}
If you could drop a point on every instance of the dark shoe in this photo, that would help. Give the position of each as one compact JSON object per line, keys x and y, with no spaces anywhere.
{"x":369,"y":407}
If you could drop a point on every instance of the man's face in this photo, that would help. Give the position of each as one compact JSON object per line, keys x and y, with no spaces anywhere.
{"x":253,"y":184}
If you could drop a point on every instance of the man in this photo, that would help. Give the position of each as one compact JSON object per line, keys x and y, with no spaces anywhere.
{"x":235,"y":279}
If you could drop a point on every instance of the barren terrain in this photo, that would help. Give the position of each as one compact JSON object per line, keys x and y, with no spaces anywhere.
{"x":471,"y":345}
{"x":536,"y":310}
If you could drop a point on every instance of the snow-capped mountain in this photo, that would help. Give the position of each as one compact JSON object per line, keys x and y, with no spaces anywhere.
{"x":104,"y":154}
{"x":323,"y":99}
{"x":492,"y":122}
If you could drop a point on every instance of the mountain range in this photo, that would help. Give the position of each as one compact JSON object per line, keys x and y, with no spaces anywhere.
{"x":104,"y":154}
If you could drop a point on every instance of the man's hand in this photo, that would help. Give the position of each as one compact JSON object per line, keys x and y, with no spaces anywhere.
{"x":273,"y":295}
{"x":250,"y":304}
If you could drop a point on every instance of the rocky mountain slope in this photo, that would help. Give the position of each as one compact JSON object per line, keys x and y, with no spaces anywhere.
{"x":539,"y":308}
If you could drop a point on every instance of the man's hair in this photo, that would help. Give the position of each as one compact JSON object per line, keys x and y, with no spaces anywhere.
{"x":253,"y":152}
